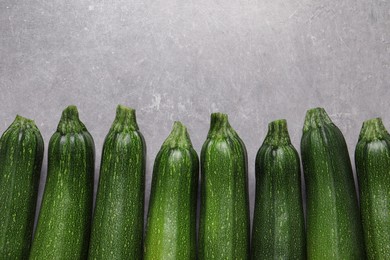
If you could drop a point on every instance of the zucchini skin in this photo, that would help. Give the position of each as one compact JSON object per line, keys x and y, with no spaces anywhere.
{"x":63,"y":227}
{"x":334,"y":229}
{"x":278,"y":222}
{"x":372,"y":159}
{"x":224,"y":231}
{"x":117,"y":230}
{"x":171,"y":226}
{"x":21,"y":154}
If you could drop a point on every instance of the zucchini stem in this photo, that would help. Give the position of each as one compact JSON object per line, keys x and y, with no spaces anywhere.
{"x":277,"y":133}
{"x":373,"y":129}
{"x":316,"y":118}
{"x":70,"y":121}
{"x":219,"y":125}
{"x":178,"y":137}
{"x":125,"y":120}
{"x":23,"y":123}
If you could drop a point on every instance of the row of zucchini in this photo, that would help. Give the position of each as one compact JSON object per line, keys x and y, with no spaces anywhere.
{"x":66,"y":228}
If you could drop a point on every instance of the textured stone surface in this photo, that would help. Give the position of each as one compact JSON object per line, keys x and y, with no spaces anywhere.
{"x":181,"y":60}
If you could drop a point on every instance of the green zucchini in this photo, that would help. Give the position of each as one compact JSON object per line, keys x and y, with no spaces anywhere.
{"x":21,"y":153}
{"x":224,"y":231}
{"x":372,"y":158}
{"x":171,"y":225}
{"x":278,"y":221}
{"x":117,"y":230}
{"x":334,"y":229}
{"x":64,"y":220}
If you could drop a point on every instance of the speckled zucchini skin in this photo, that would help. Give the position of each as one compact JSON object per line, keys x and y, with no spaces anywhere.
{"x":63,"y":227}
{"x":372,"y":158}
{"x":171,"y":227}
{"x":21,"y":153}
{"x":117,"y":231}
{"x":334,"y":229}
{"x":279,"y":225}
{"x":224,"y":213}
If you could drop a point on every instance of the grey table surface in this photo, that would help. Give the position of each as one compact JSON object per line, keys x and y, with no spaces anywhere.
{"x":257,"y":60}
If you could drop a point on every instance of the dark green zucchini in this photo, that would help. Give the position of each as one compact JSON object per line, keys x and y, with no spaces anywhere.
{"x":117,"y":231}
{"x":278,"y":221}
{"x":63,"y":227}
{"x":21,"y":153}
{"x":334,"y":229}
{"x":372,"y":158}
{"x":224,"y":213}
{"x":171,"y":226}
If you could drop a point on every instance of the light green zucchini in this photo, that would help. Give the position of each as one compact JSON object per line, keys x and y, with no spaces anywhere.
{"x":64,"y":221}
{"x":224,"y":214}
{"x":118,"y":223}
{"x":171,"y":227}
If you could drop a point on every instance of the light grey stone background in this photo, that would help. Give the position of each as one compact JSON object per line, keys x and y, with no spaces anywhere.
{"x":181,"y":60}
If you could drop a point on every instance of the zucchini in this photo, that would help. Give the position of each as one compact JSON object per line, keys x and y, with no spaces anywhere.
{"x":334,"y":228}
{"x":372,"y":158}
{"x":64,"y":220}
{"x":224,"y":213}
{"x":21,"y":153}
{"x":117,"y":230}
{"x":278,"y":221}
{"x":171,"y":223}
